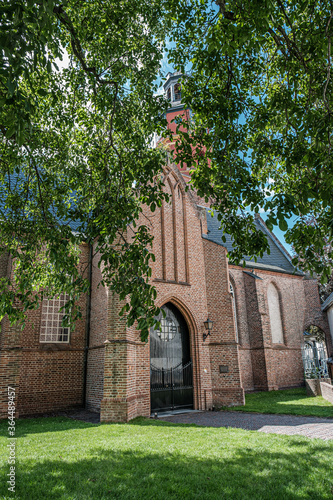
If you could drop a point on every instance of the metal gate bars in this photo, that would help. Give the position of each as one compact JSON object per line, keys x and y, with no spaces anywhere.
{"x":171,"y":388}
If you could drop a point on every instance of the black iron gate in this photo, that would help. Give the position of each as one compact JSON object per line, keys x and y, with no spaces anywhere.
{"x":171,"y":388}
{"x":171,"y":373}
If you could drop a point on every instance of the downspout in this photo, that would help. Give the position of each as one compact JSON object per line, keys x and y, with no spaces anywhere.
{"x":87,"y":328}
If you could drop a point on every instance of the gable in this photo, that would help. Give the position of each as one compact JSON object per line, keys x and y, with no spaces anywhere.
{"x":278,"y":260}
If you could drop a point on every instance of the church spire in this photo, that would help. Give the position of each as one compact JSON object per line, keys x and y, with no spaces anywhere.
{"x":172,"y":89}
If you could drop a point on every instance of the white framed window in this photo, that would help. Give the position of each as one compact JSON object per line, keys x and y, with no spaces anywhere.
{"x":233,"y":298}
{"x":51,"y":330}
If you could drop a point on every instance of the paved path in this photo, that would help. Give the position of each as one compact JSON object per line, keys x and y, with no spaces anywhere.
{"x":312,"y":427}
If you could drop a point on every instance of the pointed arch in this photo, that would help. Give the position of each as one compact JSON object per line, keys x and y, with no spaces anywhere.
{"x":174,"y":238}
{"x":194,"y":341}
{"x":275,"y":316}
{"x":184,"y":309}
{"x":173,"y":377}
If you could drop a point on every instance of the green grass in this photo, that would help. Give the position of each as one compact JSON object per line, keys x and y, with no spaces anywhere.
{"x":290,"y":401}
{"x":58,"y":458}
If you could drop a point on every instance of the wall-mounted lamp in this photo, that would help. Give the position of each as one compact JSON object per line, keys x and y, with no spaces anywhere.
{"x":208,"y":327}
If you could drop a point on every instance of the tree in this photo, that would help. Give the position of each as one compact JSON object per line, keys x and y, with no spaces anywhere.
{"x":75,"y":150}
{"x":260,"y":88}
{"x":74,"y":142}
{"x":325,"y":286}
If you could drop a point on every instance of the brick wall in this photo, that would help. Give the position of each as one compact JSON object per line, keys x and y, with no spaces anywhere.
{"x":223,"y":349}
{"x":97,"y":337}
{"x":10,"y":360}
{"x":266,"y":365}
{"x":179,"y":277}
{"x":193,"y":274}
{"x":327,"y":391}
{"x":313,"y":312}
{"x":186,"y":288}
{"x":46,"y":376}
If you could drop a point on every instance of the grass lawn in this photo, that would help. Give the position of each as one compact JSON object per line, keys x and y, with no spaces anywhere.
{"x":59,"y":458}
{"x":290,"y":401}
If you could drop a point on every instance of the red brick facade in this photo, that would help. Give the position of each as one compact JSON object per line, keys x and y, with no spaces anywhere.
{"x":192,"y":273}
{"x":265,"y":365}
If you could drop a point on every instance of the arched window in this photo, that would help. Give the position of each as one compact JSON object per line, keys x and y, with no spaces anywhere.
{"x":232,"y":293}
{"x":275,"y":314}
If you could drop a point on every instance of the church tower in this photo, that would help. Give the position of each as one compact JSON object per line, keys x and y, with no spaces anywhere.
{"x":173,"y":92}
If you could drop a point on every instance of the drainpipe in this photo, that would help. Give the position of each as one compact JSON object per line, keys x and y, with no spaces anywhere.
{"x":87,"y":328}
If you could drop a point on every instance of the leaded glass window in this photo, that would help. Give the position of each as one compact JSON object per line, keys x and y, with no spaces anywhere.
{"x":51,"y":326}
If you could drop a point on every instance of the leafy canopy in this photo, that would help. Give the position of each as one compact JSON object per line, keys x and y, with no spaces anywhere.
{"x":76,"y":162}
{"x":260,"y":89}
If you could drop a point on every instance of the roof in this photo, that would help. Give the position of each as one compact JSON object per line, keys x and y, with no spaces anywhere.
{"x":173,"y":77}
{"x":328,"y":302}
{"x":17,"y":182}
{"x":278,"y":260}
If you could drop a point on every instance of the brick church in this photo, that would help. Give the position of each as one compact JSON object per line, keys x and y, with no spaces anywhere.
{"x":227,"y":330}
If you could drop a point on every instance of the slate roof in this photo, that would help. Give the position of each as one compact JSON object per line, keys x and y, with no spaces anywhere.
{"x":17,"y":184}
{"x":279,"y":260}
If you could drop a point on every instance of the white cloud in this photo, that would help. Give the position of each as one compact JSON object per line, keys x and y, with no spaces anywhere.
{"x":64,"y":63}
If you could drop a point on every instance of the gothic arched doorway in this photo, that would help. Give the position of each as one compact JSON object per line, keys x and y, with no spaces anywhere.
{"x":171,"y":372}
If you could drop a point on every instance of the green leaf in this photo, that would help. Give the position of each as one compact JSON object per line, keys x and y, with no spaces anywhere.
{"x":283,"y":225}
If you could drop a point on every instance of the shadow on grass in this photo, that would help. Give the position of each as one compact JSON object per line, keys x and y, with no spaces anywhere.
{"x":243,"y":474}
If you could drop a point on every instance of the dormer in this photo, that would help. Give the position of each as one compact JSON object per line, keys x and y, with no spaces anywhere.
{"x":172,"y":88}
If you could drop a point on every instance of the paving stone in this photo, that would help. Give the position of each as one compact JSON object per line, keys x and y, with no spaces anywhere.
{"x":312,"y":427}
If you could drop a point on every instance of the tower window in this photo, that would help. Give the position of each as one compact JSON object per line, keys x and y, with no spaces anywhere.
{"x":169,"y":94}
{"x":177,"y":92}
